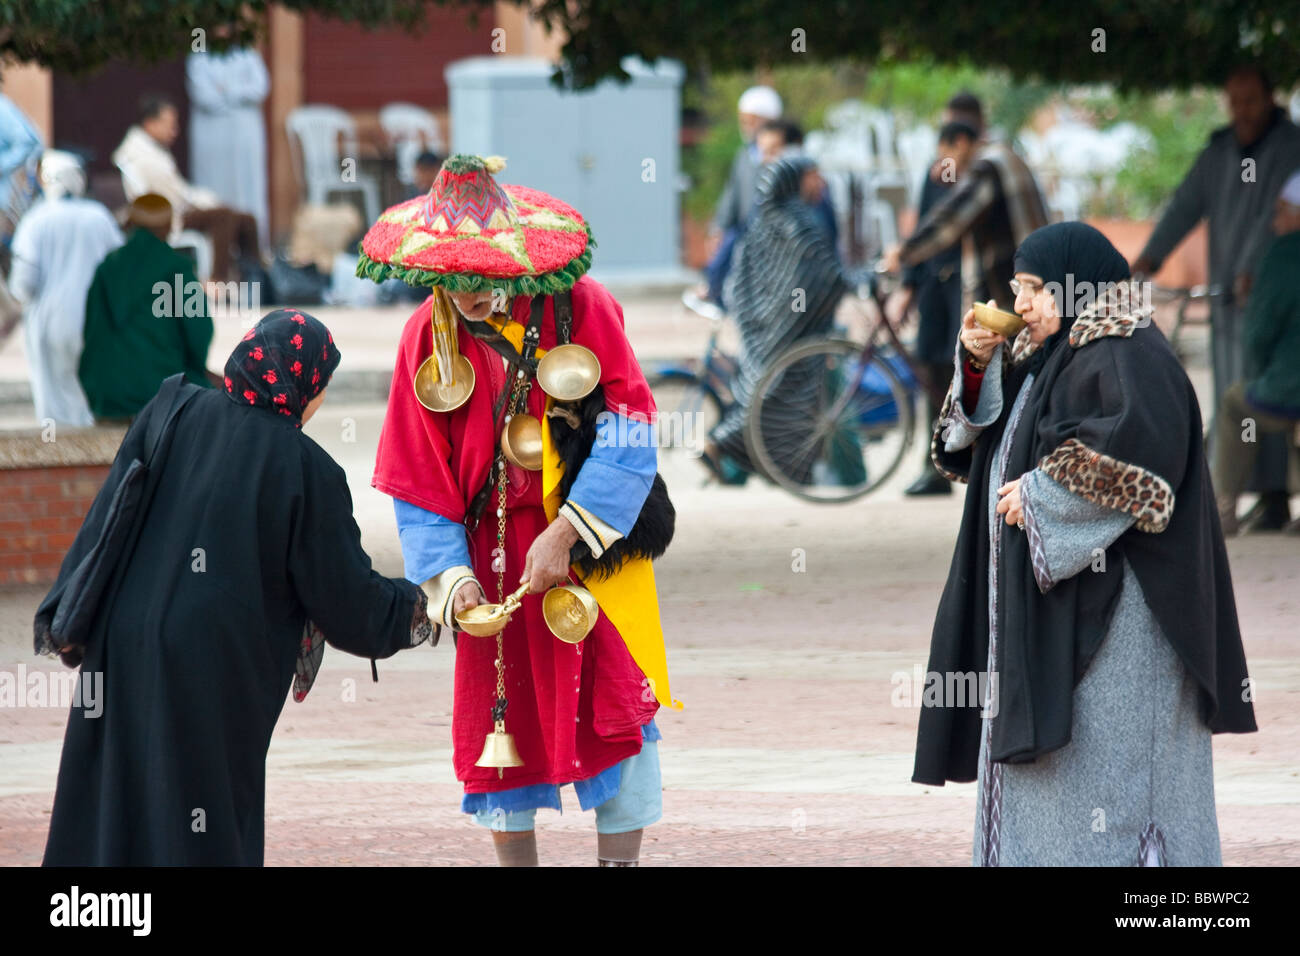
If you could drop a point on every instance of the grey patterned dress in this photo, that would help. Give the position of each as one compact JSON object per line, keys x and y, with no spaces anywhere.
{"x":1135,"y":785}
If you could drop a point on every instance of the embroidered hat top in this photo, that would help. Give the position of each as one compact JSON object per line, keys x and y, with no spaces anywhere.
{"x":470,"y":234}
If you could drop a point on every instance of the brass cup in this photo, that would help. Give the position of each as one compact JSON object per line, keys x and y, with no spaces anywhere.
{"x":1006,"y":324}
{"x":568,"y":372}
{"x":488,"y":620}
{"x":521,"y":441}
{"x":570,"y":612}
{"x":438,"y":396}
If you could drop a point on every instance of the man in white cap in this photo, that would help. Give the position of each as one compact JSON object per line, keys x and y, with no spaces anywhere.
{"x":57,"y":247}
{"x":757,"y":105}
{"x":1268,"y":399}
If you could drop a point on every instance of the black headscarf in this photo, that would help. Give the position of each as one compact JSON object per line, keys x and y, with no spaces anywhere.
{"x":282,"y":363}
{"x":1069,"y":257}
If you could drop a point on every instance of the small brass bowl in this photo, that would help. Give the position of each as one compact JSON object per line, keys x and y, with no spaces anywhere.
{"x":521,"y":442}
{"x":570,"y":612}
{"x":438,"y":396}
{"x":1006,"y":324}
{"x":483,"y":620}
{"x":568,"y":372}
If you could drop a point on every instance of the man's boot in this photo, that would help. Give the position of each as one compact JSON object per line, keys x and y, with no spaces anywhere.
{"x":930,"y":483}
{"x":1271,"y":512}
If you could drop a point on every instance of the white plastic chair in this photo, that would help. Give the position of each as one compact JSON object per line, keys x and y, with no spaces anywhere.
{"x":315,"y":133}
{"x":133,"y":187}
{"x":412,"y":130}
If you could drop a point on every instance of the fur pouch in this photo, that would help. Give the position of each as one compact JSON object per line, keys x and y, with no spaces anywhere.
{"x":653,"y":531}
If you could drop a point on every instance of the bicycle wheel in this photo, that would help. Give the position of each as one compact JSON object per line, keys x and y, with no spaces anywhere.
{"x":687,"y":410}
{"x":826,"y":426}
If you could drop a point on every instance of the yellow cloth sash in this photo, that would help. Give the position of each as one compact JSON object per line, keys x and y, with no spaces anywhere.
{"x":628,"y":597}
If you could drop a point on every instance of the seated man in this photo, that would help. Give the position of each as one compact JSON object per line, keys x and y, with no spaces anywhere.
{"x":1271,"y":399}
{"x":148,"y":167}
{"x":146,"y":319}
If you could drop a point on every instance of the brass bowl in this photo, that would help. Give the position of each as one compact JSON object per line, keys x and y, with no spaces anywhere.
{"x":570,"y":612}
{"x":521,"y":441}
{"x":485,"y":620}
{"x":438,"y":396}
{"x":568,"y":372}
{"x":1006,"y":324}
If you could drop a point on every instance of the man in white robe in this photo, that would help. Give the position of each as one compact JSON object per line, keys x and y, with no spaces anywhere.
{"x":228,"y":131}
{"x":58,"y":245}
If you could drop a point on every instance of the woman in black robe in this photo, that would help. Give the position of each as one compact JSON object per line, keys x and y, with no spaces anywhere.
{"x":784,"y":288}
{"x":247,"y":559}
{"x":1089,"y":589}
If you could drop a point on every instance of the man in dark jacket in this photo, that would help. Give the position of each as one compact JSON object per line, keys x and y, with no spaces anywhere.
{"x":1269,"y":401}
{"x":1232,"y":185}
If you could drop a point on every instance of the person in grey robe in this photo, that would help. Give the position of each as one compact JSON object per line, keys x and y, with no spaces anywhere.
{"x":1233,"y":185}
{"x":228,"y":131}
{"x":1089,"y":505}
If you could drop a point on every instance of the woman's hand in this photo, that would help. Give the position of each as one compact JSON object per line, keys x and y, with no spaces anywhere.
{"x":977,"y":340}
{"x":547,"y":562}
{"x":468,"y":595}
{"x":1009,"y":503}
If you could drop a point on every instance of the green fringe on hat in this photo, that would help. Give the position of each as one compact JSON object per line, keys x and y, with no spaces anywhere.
{"x":548,"y":283}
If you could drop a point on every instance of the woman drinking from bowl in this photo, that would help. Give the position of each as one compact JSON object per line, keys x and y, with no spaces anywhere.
{"x":1089,"y":587}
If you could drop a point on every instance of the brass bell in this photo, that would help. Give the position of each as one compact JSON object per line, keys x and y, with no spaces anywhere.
{"x":568,"y":372}
{"x":499,"y":749}
{"x":570,"y":612}
{"x":521,"y":441}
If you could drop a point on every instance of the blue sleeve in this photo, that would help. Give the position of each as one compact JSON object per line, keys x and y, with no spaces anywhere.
{"x":430,"y":543}
{"x":615,"y":480}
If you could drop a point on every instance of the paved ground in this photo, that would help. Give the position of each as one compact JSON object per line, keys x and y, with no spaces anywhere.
{"x":790,"y":750}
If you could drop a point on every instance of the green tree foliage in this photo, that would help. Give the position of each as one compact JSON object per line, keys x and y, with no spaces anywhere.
{"x":1148,"y":45}
{"x":79,"y":36}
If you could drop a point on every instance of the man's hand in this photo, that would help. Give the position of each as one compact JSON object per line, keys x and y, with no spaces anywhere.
{"x":547,"y":562}
{"x":1241,"y":287}
{"x":468,"y":595}
{"x":1009,"y":503}
{"x":891,"y":261}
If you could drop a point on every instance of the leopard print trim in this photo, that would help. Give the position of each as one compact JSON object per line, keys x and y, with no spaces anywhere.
{"x":936,"y":437}
{"x":1112,"y":483}
{"x":1120,"y":311}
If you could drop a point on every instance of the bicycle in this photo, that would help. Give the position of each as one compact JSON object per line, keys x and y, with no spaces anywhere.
{"x":691,"y":398}
{"x":831,"y":419}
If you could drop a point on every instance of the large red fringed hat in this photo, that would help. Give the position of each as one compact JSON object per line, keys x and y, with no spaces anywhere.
{"x":470,"y":234}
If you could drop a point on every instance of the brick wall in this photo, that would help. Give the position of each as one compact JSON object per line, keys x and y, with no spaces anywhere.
{"x":46,"y":488}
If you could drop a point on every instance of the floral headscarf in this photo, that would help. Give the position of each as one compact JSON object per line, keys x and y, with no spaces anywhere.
{"x":282,"y":363}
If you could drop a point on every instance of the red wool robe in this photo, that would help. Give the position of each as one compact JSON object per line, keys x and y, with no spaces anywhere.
{"x":574,"y":709}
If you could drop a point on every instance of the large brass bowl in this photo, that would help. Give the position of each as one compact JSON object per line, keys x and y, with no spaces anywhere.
{"x":570,"y":612}
{"x":1006,"y":324}
{"x":521,"y":441}
{"x":568,"y":372}
{"x":439,"y":396}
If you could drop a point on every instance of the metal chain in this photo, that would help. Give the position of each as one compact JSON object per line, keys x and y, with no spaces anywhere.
{"x":518,"y":397}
